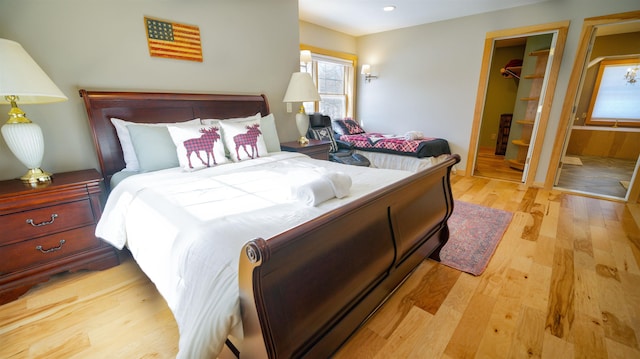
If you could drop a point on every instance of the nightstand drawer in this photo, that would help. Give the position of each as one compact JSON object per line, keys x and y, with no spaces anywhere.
{"x":318,"y":153}
{"x":317,"y":149}
{"x":46,"y":220}
{"x":41,"y":250}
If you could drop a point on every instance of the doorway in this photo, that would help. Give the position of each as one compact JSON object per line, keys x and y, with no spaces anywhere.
{"x":607,"y":154}
{"x":517,"y":83}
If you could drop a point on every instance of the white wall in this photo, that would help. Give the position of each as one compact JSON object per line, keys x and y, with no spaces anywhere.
{"x":249,"y":46}
{"x":428,"y":74}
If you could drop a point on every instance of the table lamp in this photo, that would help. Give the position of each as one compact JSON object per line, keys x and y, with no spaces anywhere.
{"x":23,"y":81}
{"x":301,"y":89}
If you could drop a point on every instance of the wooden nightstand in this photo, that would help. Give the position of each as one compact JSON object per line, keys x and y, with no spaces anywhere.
{"x":315,"y":148}
{"x":49,"y":229}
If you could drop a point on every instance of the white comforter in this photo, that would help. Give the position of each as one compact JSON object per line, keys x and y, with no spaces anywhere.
{"x":186,"y":231}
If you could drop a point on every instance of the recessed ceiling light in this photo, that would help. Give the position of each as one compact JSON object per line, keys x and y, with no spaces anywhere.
{"x":389,"y":8}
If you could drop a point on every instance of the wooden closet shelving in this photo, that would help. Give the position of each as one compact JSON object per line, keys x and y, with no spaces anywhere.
{"x":528,"y":120}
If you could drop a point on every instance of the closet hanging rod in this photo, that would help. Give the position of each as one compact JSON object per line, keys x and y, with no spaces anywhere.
{"x":508,"y":71}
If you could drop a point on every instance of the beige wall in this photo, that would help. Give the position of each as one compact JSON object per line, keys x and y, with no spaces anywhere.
{"x":590,"y":141}
{"x":610,"y":45}
{"x":249,"y":46}
{"x":318,"y":36}
{"x":428,"y":74}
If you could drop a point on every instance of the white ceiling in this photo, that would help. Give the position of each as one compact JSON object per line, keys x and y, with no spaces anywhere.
{"x":363,"y":17}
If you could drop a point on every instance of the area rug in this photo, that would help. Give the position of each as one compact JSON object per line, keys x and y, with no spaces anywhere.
{"x":475,"y":232}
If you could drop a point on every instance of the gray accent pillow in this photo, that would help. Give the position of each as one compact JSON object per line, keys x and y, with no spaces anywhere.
{"x":120,"y":176}
{"x":154,"y":148}
{"x":269,"y":132}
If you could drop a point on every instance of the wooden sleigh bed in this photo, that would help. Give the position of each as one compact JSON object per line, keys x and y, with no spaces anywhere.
{"x":304,"y":291}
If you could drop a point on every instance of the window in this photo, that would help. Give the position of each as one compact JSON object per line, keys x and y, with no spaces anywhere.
{"x":333,"y":74}
{"x":615,"y":102}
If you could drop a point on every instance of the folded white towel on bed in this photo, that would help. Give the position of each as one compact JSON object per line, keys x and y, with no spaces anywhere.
{"x":414,"y":135}
{"x":313,"y":192}
{"x":340,"y":182}
{"x":315,"y":186}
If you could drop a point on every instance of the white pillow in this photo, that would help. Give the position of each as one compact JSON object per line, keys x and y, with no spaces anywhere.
{"x":267,"y":126}
{"x":270,"y":133}
{"x":128,"y":152}
{"x":243,"y":139}
{"x":198,"y":146}
{"x":213,"y":121}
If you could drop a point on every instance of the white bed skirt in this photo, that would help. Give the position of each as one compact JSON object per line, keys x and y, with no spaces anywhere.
{"x":398,"y":162}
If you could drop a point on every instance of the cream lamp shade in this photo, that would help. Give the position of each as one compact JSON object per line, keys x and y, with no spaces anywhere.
{"x":301,"y":89}
{"x":23,"y":81}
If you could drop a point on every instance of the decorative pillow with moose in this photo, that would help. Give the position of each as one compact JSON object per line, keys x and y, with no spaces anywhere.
{"x":198,"y":146}
{"x":243,"y":139}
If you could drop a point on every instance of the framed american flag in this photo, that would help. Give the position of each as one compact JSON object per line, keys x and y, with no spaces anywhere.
{"x":173,"y":40}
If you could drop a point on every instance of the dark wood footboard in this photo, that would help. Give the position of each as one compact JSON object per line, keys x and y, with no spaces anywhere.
{"x":305,"y":291}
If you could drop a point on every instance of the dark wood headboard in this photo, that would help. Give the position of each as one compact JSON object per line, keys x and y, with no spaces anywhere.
{"x":149,"y":107}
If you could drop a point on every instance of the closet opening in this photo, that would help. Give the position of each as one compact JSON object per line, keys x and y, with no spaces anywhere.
{"x":514,"y":97}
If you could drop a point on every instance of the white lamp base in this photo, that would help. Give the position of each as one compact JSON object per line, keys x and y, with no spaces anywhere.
{"x":26,"y":142}
{"x":302,"y":122}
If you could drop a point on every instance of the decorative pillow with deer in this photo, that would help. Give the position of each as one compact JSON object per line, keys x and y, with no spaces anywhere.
{"x":244,"y":139}
{"x":198,"y":146}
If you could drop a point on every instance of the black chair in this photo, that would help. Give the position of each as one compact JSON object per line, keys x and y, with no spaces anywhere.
{"x":340,"y":151}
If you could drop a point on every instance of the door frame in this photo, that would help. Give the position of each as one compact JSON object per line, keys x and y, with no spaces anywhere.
{"x":575,"y":81}
{"x":561,"y":27}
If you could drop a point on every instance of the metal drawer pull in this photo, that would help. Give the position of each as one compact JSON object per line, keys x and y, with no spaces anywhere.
{"x":53,"y":218}
{"x":62,"y":241}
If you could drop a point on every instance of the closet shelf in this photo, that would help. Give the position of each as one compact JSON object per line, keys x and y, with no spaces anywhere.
{"x":525,"y":122}
{"x":536,"y":76}
{"x":543,"y":52}
{"x":520,"y":143}
{"x":515,"y":164}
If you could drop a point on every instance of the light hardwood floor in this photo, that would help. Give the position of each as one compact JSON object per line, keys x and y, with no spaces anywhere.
{"x":490,"y":165}
{"x":563,"y":283}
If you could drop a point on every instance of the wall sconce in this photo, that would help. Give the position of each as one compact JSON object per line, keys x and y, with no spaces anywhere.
{"x":366,"y":71}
